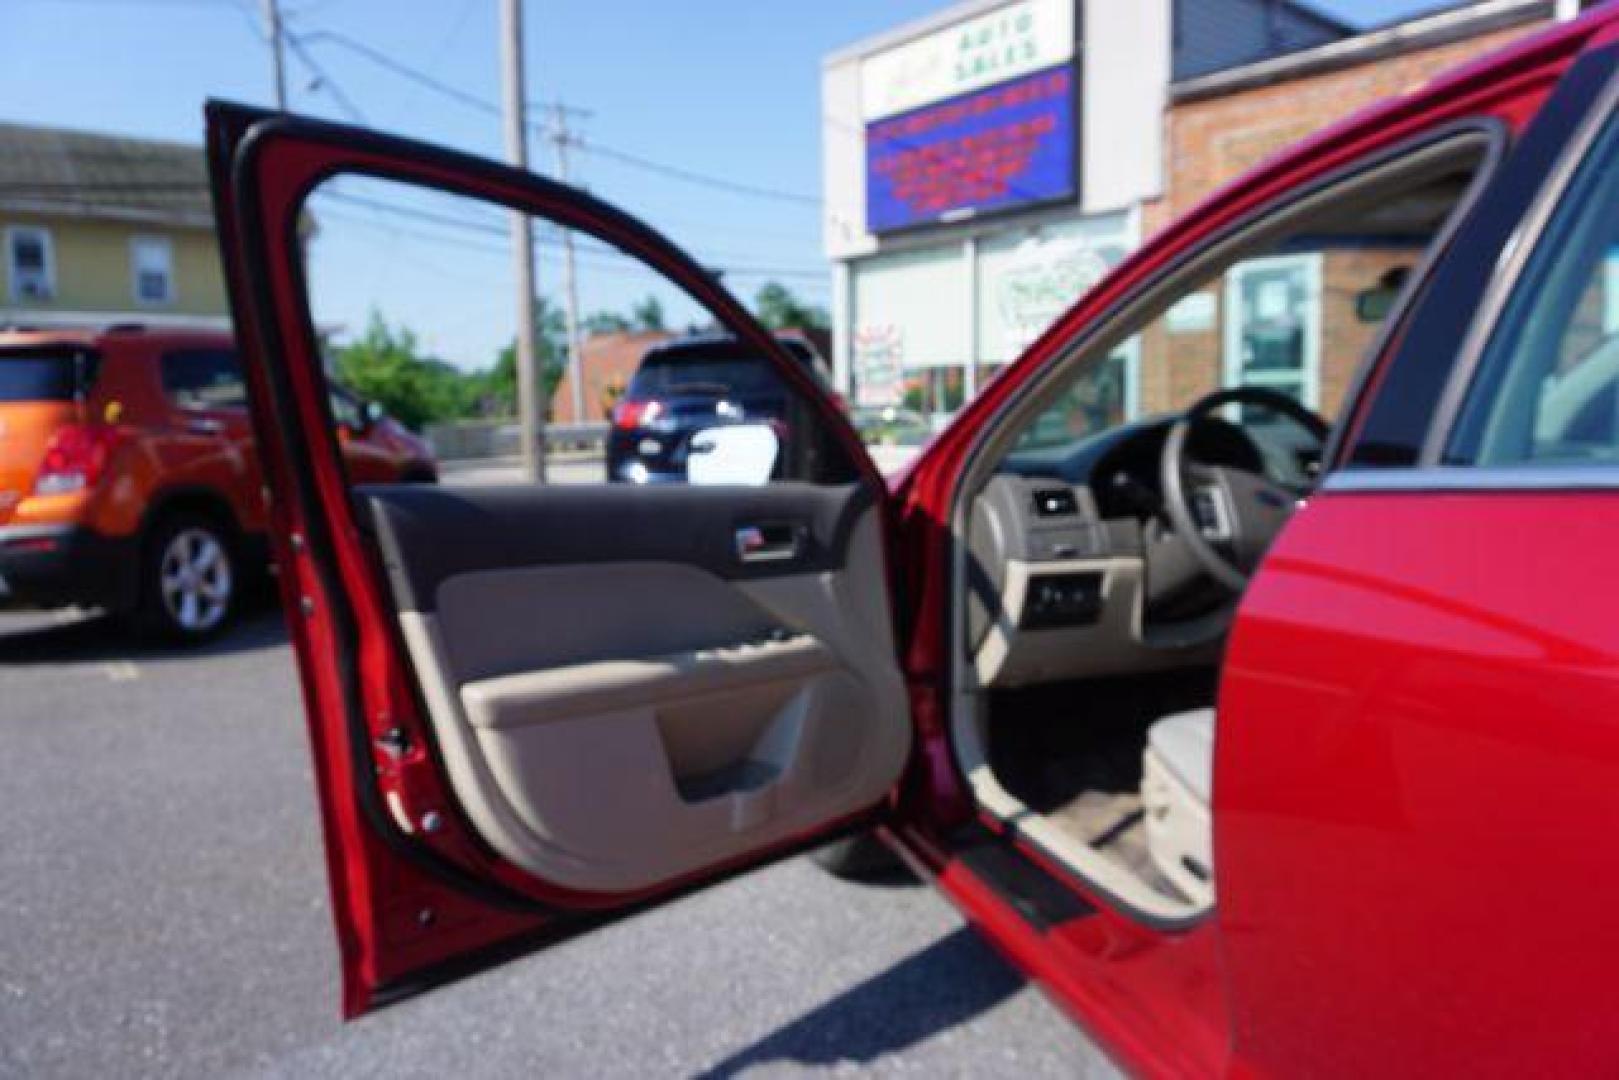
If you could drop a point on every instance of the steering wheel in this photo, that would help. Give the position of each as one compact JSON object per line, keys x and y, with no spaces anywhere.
{"x":1237,"y":513}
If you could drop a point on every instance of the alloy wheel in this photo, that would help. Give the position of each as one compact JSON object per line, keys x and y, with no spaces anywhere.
{"x":195,"y":579}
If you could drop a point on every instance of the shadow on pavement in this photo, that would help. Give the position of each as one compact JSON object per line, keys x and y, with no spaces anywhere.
{"x":949,"y":982}
{"x":98,"y":639}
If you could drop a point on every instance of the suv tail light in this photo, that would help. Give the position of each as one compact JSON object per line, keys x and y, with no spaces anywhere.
{"x":629,"y":415}
{"x":75,"y":458}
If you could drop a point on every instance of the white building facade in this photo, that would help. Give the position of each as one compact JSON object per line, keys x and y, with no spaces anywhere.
{"x":984,"y":166}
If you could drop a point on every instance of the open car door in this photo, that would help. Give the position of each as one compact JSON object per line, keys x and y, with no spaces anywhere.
{"x":532,"y":708}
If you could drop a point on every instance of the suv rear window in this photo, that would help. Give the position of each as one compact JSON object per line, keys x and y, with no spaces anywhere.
{"x":715,"y":367}
{"x":45,"y":375}
{"x":204,"y":379}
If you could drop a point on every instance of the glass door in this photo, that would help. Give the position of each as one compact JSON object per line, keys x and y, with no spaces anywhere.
{"x":1273,"y":325}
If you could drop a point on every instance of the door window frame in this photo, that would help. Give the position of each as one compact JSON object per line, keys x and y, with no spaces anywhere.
{"x":1529,"y":242}
{"x":264,"y":168}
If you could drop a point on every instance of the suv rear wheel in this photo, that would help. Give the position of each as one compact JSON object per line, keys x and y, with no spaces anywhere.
{"x":188,"y":579}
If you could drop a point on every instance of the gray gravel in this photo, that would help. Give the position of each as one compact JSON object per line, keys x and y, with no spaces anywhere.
{"x":163,"y":912}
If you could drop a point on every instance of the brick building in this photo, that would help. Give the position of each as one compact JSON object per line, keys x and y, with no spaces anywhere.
{"x":983,"y":165}
{"x":1290,"y":320}
{"x":941,"y":277}
{"x":607,"y":362}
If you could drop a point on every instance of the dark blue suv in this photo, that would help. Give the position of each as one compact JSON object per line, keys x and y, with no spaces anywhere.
{"x":691,"y":383}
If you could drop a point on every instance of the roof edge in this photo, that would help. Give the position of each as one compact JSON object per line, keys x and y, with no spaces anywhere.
{"x":91,"y":212}
{"x":1423,"y":32}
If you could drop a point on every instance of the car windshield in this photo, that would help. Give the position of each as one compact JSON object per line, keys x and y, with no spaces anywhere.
{"x":716,"y":370}
{"x":36,"y":375}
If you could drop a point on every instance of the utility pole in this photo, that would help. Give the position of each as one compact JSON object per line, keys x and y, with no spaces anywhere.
{"x":272,"y":20}
{"x":530,"y":409}
{"x":576,"y":375}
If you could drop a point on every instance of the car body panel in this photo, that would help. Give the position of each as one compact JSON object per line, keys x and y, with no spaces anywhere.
{"x":1423,"y":744}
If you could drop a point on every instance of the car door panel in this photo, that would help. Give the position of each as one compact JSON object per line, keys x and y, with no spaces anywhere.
{"x":568,"y":641}
{"x":1414,"y":747}
{"x":532,"y":708}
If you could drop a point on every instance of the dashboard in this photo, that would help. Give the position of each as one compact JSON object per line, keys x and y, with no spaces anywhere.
{"x":1071,"y":573}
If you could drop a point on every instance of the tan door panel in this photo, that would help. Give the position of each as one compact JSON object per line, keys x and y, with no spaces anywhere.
{"x":611,"y":726}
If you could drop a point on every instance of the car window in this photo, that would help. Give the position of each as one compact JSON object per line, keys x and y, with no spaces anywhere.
{"x":633,"y":373}
{"x":347,"y":410}
{"x":713,"y":369}
{"x":1546,"y":390}
{"x":1295,"y":313}
{"x":204,"y":379}
{"x":44,"y":375}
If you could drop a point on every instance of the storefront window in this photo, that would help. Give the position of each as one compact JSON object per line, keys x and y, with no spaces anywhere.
{"x":1095,"y":401}
{"x":1273,"y":325}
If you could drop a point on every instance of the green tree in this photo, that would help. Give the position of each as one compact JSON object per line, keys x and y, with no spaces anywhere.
{"x":779,"y":309}
{"x":386,"y":366}
{"x":605,"y":322}
{"x":647,"y":314}
{"x":499,"y":383}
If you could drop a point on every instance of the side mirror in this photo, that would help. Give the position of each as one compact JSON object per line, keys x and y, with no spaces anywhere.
{"x":739,"y":454}
{"x":1373,"y":305}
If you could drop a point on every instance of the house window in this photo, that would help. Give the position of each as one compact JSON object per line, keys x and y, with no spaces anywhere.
{"x":152,"y":263}
{"x":30,"y":263}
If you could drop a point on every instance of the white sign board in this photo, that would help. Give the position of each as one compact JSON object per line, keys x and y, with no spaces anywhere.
{"x":1043,"y":280}
{"x":1022,"y":37}
{"x":739,"y":454}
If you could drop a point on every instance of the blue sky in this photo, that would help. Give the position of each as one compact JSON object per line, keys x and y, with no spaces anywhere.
{"x":729,"y":88}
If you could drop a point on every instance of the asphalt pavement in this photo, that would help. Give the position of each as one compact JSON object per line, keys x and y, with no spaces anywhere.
{"x":163,"y":911}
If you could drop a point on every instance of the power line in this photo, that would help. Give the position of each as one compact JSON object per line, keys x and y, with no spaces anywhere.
{"x":592,"y":248}
{"x":325,"y":81}
{"x":588,"y":246}
{"x":675,"y":172}
{"x":405,"y":71}
{"x":489,"y":108}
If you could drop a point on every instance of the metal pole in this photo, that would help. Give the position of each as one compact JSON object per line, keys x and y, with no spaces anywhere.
{"x":570,"y":294}
{"x":272,"y":19}
{"x":530,"y":409}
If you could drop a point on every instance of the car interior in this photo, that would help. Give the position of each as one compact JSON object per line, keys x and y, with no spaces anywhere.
{"x":1101,"y":566}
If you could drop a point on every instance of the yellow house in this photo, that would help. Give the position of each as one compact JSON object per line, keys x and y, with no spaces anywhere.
{"x":98,"y":229}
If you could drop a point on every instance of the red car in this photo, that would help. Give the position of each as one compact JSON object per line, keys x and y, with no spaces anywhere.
{"x":1347,"y":686}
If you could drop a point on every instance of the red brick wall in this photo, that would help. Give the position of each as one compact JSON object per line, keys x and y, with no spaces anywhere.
{"x":1215,"y":140}
{"x":608,"y":360}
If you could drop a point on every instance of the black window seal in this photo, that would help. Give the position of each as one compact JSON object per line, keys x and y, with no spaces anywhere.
{"x":1406,"y":397}
{"x":1526,"y":240}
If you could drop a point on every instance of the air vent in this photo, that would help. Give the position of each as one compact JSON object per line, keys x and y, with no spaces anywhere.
{"x":1055,"y":502}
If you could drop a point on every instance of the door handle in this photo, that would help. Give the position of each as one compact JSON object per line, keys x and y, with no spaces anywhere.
{"x":769,"y":543}
{"x":204,"y":425}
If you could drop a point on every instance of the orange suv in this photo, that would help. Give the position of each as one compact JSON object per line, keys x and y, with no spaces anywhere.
{"x":129,"y":479}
